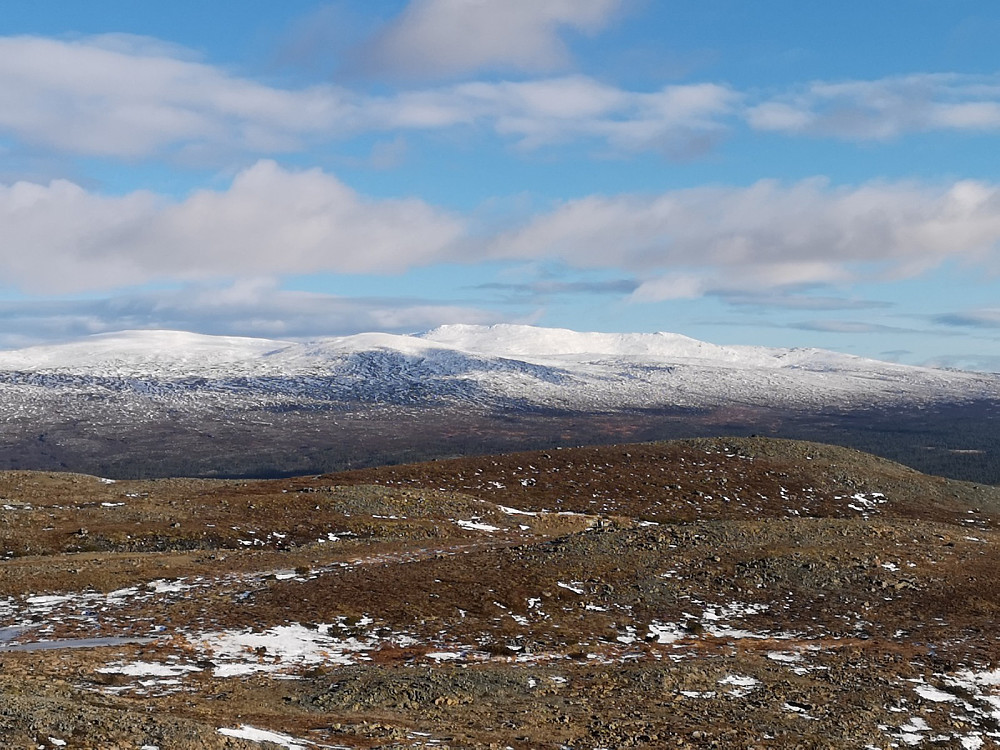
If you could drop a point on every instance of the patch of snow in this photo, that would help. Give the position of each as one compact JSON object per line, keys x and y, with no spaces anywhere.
{"x":247,"y":732}
{"x":148,"y":669}
{"x":739,"y":681}
{"x":666,"y":632}
{"x":931,"y":693}
{"x":239,"y":652}
{"x":515,"y":512}
{"x":440,"y":656}
{"x":47,"y":600}
{"x":784,"y":656}
{"x":916,"y":724}
{"x":742,"y":685}
{"x":474,"y":526}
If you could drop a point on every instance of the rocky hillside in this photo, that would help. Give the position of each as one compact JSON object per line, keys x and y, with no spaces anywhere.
{"x":726,"y":593}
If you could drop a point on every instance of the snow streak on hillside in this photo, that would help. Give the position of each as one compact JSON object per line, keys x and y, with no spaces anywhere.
{"x":504,"y":367}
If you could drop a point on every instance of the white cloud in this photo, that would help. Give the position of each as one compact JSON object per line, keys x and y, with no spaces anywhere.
{"x":60,"y":238}
{"x":450,"y":37}
{"x":688,"y":243}
{"x":883,"y":108}
{"x":669,"y":287}
{"x":671,"y":120}
{"x":562,"y":110}
{"x":92,"y":97}
{"x":270,"y":221}
{"x":136,"y":98}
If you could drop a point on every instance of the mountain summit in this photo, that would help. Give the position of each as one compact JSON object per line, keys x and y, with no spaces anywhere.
{"x":487,"y":382}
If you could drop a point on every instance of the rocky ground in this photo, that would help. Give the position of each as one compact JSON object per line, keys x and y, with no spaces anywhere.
{"x":726,"y":593}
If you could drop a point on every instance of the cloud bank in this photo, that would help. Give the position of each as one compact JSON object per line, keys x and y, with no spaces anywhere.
{"x":689,"y":243}
{"x":137,"y":98}
{"x":885,"y":108}
{"x":60,"y":238}
{"x":142,"y":98}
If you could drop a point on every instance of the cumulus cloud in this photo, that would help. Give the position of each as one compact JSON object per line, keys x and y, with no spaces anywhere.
{"x":675,"y":120}
{"x":723,"y":241}
{"x":883,"y":108}
{"x":61,"y":238}
{"x":251,"y":307}
{"x":451,"y":37}
{"x":134,"y":100}
{"x":688,"y":243}
{"x":95,"y":97}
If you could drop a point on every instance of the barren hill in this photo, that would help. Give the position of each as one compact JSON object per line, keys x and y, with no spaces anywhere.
{"x":727,"y":593}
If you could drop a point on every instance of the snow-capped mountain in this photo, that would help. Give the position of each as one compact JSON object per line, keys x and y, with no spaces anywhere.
{"x":153,"y":403}
{"x":500,"y":366}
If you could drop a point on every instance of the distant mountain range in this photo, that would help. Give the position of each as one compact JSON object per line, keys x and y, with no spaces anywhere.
{"x":97,"y":402}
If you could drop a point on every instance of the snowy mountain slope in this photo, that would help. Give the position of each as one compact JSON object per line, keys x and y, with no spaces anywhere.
{"x":545,"y":344}
{"x":168,"y":403}
{"x":499,"y":366}
{"x":133,"y":352}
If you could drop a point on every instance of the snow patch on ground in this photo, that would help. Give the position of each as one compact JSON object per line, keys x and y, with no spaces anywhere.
{"x":476,"y":526}
{"x":147,"y":669}
{"x":279,"y":649}
{"x":246,"y":732}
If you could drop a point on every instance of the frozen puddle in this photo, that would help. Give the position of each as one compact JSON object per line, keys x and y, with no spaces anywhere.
{"x":73,"y":643}
{"x":11,"y":633}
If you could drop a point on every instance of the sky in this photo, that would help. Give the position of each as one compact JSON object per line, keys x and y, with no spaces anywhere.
{"x":780,"y":173}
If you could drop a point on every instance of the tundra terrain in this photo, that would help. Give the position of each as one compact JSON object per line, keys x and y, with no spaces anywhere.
{"x":717,"y":593}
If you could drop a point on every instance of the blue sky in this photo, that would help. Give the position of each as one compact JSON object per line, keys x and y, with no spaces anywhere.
{"x":785,"y":173}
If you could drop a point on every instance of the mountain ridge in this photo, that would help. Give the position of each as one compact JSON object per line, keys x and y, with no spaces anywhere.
{"x":174,"y":402}
{"x":500,"y":340}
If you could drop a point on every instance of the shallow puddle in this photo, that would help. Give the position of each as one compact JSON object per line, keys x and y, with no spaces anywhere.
{"x":5,"y":636}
